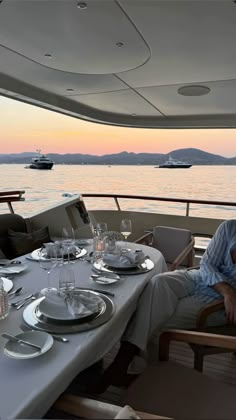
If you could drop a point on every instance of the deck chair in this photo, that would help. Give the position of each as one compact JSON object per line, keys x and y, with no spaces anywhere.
{"x":175,"y":244}
{"x":180,"y":392}
{"x":168,"y":389}
{"x":86,"y":408}
{"x":201,"y":325}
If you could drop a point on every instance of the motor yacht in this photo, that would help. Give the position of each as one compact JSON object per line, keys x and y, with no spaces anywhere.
{"x":174,"y":164}
{"x":41,"y":162}
{"x":150,"y":64}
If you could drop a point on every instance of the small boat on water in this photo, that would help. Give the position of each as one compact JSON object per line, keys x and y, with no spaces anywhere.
{"x":173,"y":163}
{"x":41,"y":162}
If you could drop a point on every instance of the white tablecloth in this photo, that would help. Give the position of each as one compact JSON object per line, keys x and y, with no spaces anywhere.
{"x":29,"y":387}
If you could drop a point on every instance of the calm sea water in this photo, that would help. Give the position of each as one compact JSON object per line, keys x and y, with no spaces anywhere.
{"x":45,"y":188}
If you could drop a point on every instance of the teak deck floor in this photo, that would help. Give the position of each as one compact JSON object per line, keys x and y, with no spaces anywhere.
{"x":220,"y":366}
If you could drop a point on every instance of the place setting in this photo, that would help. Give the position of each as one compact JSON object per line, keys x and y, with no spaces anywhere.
{"x":9,"y":267}
{"x":68,"y":309}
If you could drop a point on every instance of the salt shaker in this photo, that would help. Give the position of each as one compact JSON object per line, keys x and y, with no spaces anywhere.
{"x":4,"y":306}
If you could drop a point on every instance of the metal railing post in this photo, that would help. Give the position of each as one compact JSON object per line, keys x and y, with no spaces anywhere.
{"x":187,"y":209}
{"x":117,"y":203}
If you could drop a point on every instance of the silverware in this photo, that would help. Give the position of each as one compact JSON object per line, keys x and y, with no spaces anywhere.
{"x":56,"y":337}
{"x":18,"y":340}
{"x":19,"y":301}
{"x":59,"y":338}
{"x":15,"y":292}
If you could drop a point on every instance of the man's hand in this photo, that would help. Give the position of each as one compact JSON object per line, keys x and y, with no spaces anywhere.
{"x":230,"y":306}
{"x":229,"y":294}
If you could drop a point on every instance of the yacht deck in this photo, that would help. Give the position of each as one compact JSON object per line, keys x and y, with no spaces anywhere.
{"x":221,"y":367}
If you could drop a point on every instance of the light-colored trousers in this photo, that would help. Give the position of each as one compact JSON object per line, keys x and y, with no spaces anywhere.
{"x":166,"y":302}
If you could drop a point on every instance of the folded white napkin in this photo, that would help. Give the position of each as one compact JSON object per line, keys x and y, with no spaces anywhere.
{"x":77,"y":303}
{"x":127,"y":412}
{"x":129,"y":258}
{"x":80,"y":304}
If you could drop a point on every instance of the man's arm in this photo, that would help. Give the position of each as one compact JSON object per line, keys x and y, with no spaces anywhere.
{"x":229,"y":294}
{"x":212,"y":260}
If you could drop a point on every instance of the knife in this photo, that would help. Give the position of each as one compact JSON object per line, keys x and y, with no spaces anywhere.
{"x":104,"y":292}
{"x":18,"y":340}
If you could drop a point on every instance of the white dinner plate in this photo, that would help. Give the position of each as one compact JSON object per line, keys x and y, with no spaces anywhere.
{"x":35,"y":255}
{"x":13,"y":269}
{"x":21,"y":351}
{"x":104,"y":280}
{"x":7,"y":284}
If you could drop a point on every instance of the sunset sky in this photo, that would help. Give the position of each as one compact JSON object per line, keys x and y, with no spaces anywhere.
{"x":25,"y":128}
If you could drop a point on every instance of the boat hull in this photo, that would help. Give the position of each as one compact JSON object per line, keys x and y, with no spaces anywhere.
{"x":174,"y":166}
{"x":48,"y":165}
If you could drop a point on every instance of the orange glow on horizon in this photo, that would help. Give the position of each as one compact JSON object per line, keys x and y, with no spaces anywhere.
{"x":25,"y":128}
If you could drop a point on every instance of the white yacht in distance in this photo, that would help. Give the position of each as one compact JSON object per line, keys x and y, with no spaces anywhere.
{"x":173,"y":163}
{"x":41,"y":162}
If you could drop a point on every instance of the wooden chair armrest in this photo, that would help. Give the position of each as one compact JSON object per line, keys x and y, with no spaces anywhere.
{"x":206,"y":311}
{"x":194,"y":267}
{"x":146,"y":239}
{"x":194,"y":337}
{"x":87,"y":408}
{"x":182,"y":255}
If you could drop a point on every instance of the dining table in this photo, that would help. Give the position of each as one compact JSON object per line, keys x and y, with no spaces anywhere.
{"x":29,"y":387}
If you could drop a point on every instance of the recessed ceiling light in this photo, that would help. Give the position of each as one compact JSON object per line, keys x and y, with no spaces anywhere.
{"x":48,"y":55}
{"x":82,"y":5}
{"x":194,"y":90}
{"x":70,"y":90}
{"x":119,"y":44}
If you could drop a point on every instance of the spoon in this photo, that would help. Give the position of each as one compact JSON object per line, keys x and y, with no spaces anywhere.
{"x":16,"y":292}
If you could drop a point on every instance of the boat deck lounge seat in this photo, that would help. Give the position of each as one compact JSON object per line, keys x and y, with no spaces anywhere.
{"x":10,"y":221}
{"x":175,"y":244}
{"x":173,"y":390}
{"x":17,"y":237}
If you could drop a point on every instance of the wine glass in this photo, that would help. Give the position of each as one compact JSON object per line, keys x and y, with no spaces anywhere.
{"x":126,"y":228}
{"x":47,"y":263}
{"x":68,"y":240}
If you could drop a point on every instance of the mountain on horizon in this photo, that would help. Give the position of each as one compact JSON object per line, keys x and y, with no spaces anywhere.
{"x":188,"y":155}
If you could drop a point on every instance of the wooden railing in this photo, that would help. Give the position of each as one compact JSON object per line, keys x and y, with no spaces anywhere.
{"x":11,"y":196}
{"x":186,"y":201}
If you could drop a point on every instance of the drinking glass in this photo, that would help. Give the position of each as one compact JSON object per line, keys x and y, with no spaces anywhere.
{"x":66,"y":279}
{"x":101,"y":228}
{"x":47,"y":263}
{"x":68,"y":241}
{"x":126,"y":228}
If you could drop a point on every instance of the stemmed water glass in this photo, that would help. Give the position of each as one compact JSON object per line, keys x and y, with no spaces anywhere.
{"x":126,"y":228}
{"x":47,"y":263}
{"x":68,"y":241}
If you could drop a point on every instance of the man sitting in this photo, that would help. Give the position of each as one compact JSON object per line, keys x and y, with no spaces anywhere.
{"x":173,"y":300}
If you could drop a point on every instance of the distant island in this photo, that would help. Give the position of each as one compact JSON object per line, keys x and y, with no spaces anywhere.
{"x":190,"y":155}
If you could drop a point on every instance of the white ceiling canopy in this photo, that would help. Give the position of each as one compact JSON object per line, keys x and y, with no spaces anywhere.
{"x":141,"y":63}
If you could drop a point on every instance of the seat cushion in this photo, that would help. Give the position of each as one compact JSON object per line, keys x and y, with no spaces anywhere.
{"x":22,"y":243}
{"x":172,"y":390}
{"x":10,"y":221}
{"x":171,"y":241}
